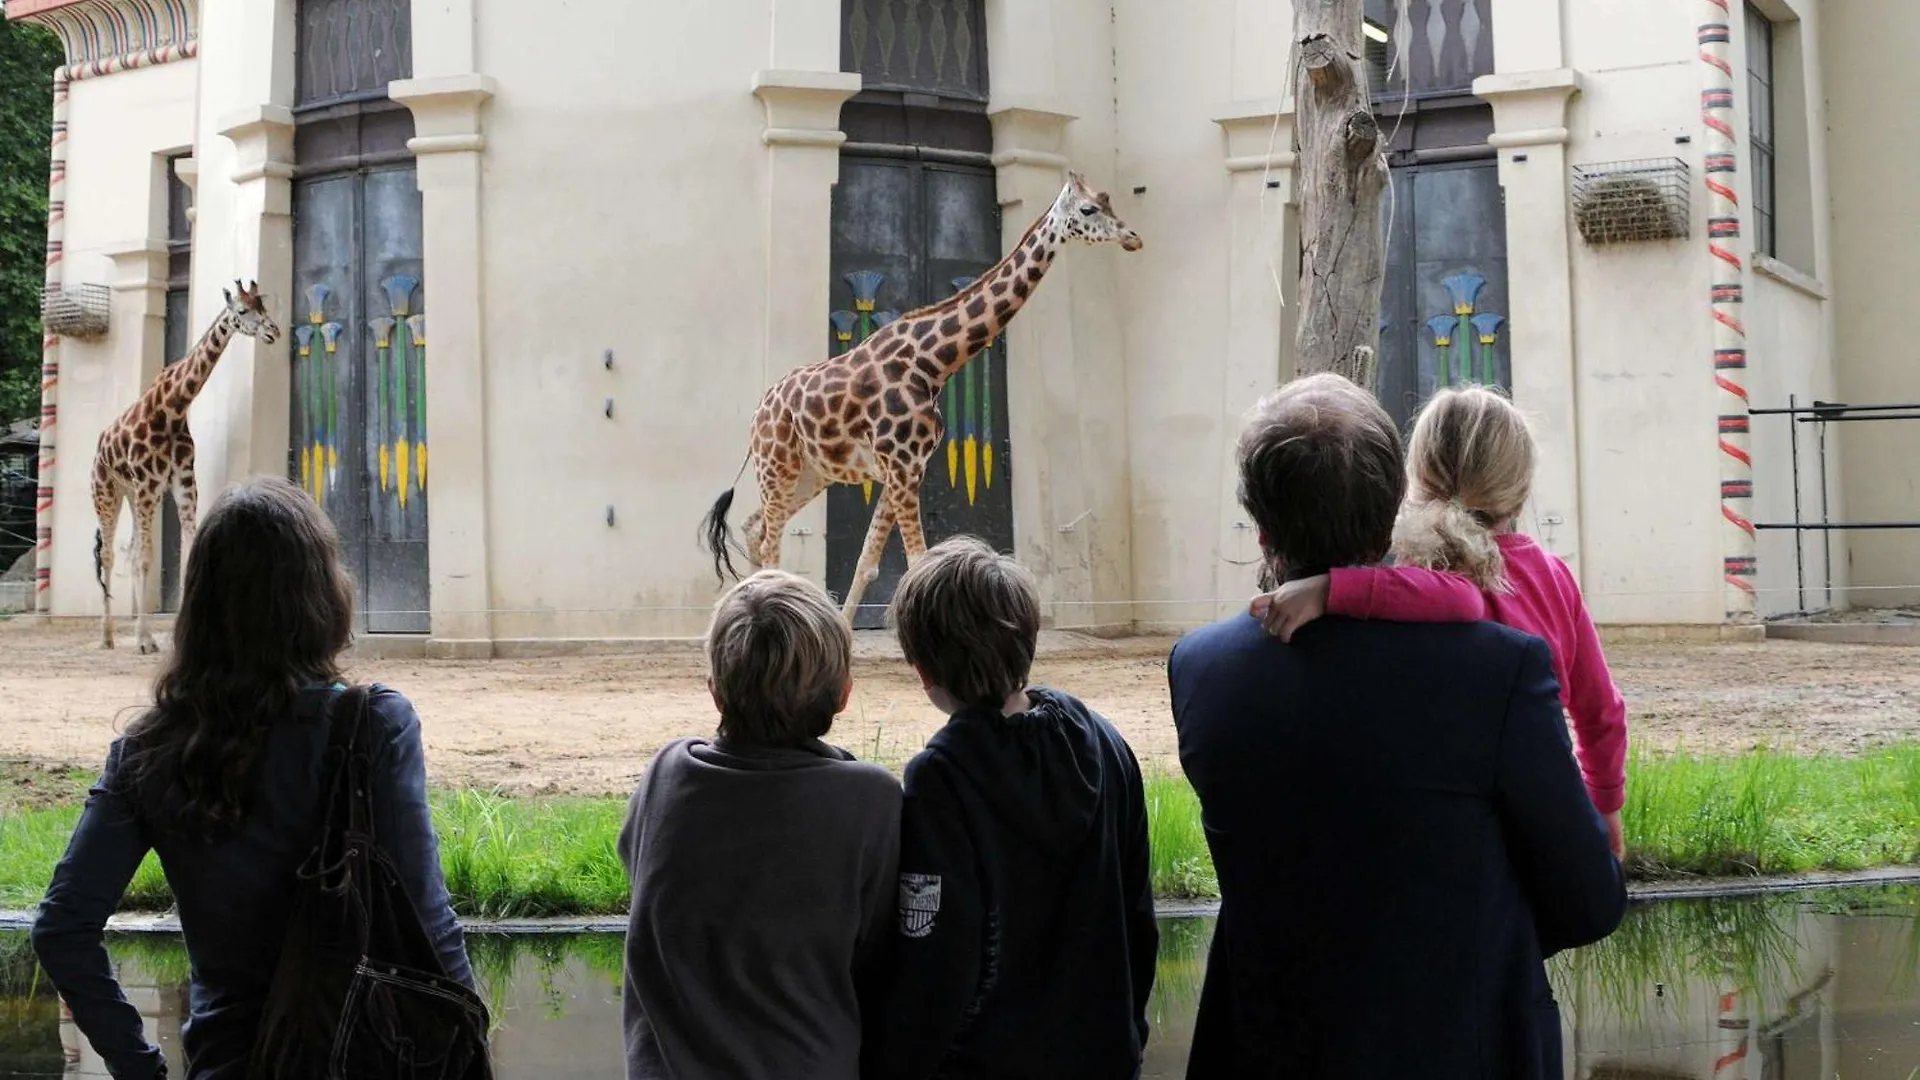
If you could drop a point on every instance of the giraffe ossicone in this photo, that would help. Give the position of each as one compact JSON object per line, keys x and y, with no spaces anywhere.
{"x":148,"y":451}
{"x":872,"y":414}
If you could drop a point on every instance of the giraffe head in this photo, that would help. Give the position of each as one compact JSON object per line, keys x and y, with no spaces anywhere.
{"x":247,"y":310}
{"x":1087,"y":215}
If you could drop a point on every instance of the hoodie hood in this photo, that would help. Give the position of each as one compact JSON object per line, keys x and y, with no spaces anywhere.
{"x":1040,"y":771}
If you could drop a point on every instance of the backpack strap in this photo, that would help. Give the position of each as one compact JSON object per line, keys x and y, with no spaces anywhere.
{"x":350,"y":749}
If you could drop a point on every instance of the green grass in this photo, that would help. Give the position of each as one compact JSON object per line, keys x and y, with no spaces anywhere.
{"x":1769,"y":812}
{"x":1765,"y":812}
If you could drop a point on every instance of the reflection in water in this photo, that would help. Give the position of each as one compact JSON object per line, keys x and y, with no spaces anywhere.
{"x":1819,"y":986}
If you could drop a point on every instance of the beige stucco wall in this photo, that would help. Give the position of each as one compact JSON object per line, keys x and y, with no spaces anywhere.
{"x":1866,"y":49}
{"x":118,"y":130}
{"x":587,"y":192}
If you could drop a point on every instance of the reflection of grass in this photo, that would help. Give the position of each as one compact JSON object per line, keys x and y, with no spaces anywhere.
{"x":499,"y":959}
{"x":1180,"y":970}
{"x":1762,"y":812}
{"x":1748,"y":942}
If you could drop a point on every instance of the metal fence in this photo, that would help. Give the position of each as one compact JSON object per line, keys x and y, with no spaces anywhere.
{"x":19,"y":472}
{"x":1819,"y":416}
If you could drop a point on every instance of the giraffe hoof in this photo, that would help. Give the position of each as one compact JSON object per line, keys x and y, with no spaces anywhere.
{"x":148,"y":647}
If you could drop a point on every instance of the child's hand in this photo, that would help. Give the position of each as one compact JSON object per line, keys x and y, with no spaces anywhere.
{"x":1614,"y":838}
{"x":1291,"y":606}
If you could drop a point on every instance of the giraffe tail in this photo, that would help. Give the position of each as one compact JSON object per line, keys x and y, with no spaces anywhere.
{"x":99,"y":567}
{"x":717,"y":539}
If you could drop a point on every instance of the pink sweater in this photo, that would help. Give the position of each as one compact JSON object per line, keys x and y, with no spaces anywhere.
{"x":1544,"y":601}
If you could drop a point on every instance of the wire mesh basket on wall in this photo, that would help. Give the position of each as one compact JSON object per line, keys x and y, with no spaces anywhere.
{"x":75,"y":310}
{"x":1622,"y":202}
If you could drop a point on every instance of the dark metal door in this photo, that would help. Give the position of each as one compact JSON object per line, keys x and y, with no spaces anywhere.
{"x":1444,"y":306}
{"x":905,"y":234}
{"x":359,"y":423}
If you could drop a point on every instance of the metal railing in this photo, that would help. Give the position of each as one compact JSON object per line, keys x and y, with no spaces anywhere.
{"x":1819,"y":415}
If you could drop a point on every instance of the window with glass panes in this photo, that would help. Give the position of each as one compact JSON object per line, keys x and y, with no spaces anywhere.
{"x":1760,"y":127}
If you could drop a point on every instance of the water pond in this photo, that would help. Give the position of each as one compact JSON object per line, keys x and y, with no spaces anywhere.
{"x":1809,"y":986}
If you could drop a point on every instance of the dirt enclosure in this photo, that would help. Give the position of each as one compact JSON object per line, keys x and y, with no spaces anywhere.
{"x":587,"y":725}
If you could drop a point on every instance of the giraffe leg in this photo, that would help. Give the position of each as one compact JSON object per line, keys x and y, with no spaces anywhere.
{"x":186,"y":498}
{"x":106,"y":507}
{"x":869,"y":567}
{"x":913,"y":535}
{"x":146,"y":512}
{"x":777,"y":509}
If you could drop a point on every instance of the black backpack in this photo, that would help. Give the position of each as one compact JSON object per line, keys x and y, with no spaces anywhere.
{"x":360,"y":990}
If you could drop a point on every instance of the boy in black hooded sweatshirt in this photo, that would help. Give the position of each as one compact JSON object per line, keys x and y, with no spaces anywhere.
{"x":1026,"y":940}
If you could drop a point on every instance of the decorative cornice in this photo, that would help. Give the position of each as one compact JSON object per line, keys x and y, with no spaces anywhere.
{"x":140,"y":266}
{"x":262,"y":138}
{"x":93,"y":31}
{"x":1562,"y":83}
{"x":1030,"y":134}
{"x":1555,"y":136}
{"x":803,"y":107}
{"x":1259,"y":137}
{"x":446,"y":112}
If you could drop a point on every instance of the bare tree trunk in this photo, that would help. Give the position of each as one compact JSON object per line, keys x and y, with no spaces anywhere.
{"x":1341,"y":174}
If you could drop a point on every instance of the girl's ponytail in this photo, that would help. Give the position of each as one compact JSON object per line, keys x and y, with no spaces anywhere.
{"x":1442,"y":534}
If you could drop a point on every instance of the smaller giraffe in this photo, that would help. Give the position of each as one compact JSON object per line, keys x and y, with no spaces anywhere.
{"x":149,"y":451}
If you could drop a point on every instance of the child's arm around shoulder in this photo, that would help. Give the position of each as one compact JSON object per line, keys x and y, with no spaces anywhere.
{"x":1404,"y":594}
{"x":1394,"y":593}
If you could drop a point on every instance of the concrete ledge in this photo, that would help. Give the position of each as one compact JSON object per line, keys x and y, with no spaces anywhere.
{"x":1683,"y":634}
{"x":1842,"y":633}
{"x":1638,"y":892}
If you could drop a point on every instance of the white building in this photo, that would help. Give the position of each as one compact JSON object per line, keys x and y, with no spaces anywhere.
{"x":683,"y":188}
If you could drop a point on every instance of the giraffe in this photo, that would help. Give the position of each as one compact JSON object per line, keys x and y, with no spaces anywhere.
{"x":872,"y":415}
{"x":149,"y":450}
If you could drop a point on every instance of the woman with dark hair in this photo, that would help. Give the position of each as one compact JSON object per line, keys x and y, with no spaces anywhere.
{"x":221,"y":777}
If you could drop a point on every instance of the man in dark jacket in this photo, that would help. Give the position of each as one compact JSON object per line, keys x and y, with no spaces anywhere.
{"x":1026,"y":939}
{"x":1394,"y":811}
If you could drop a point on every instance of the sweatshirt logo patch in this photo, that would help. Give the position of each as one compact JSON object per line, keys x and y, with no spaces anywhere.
{"x":919,"y":903}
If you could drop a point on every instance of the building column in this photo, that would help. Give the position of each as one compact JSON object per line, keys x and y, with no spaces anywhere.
{"x":256,"y":377}
{"x":448,"y":144}
{"x":1056,"y":529}
{"x":139,"y":344}
{"x":1530,"y":134}
{"x":1261,"y":287}
{"x":803,"y":140}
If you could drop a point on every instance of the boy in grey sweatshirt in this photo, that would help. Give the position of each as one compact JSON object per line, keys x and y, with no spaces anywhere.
{"x":764,"y":862}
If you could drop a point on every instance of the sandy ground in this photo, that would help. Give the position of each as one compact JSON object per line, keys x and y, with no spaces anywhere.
{"x":587,"y":725}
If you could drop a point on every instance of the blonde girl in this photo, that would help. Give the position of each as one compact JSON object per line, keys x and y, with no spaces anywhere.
{"x":1458,"y":558}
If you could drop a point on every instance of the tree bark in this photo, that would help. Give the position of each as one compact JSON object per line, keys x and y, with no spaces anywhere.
{"x":1341,"y":174}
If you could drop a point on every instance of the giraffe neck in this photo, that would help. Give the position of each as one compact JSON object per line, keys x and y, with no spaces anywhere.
{"x":976,"y":315}
{"x":197,"y":367}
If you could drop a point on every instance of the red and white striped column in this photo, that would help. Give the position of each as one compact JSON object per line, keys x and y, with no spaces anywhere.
{"x":50,"y":353}
{"x":1728,"y":295}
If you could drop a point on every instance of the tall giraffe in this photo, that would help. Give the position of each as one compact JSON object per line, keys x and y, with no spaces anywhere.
{"x":149,"y":450}
{"x":872,"y":415}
